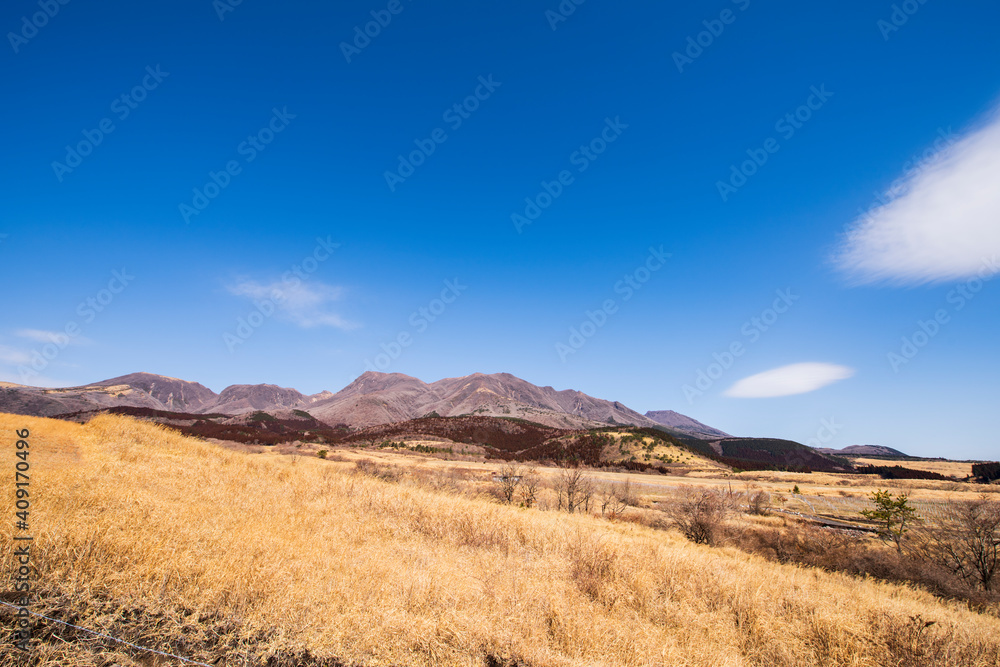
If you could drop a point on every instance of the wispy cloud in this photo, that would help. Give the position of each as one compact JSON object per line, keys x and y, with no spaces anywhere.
{"x":789,"y":380}
{"x":59,"y":337}
{"x":942,"y":223}
{"x":305,"y":304}
{"x":14,"y":356}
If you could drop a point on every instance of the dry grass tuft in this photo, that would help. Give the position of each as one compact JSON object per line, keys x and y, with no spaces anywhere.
{"x":255,"y":559}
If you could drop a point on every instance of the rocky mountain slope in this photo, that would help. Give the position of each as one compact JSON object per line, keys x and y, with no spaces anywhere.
{"x":380,"y":398}
{"x":685,"y":424}
{"x":372,"y":399}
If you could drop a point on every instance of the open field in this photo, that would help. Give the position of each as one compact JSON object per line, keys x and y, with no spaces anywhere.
{"x":241,"y":558}
{"x":959,"y":469}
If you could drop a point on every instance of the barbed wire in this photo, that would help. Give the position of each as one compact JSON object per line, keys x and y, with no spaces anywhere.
{"x":101,"y":634}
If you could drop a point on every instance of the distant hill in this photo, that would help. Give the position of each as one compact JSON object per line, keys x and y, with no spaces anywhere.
{"x":864,"y":450}
{"x":685,"y":424}
{"x":777,"y":453}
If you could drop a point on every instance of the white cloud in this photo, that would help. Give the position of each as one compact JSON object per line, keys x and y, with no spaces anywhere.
{"x":14,"y":356}
{"x":58,"y":337}
{"x":305,"y":304}
{"x":789,"y":380}
{"x":940,"y":223}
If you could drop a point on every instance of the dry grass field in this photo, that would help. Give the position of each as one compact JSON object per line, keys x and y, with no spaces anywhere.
{"x":233,"y":558}
{"x":959,"y":469}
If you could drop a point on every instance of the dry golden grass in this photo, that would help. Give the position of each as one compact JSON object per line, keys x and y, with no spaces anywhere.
{"x":948,"y":468}
{"x":210,"y":553}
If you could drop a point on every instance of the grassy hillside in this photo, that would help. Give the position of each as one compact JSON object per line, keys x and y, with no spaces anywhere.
{"x":261,"y":559}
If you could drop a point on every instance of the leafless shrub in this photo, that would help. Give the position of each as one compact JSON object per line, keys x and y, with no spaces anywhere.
{"x":528,"y":490}
{"x":616,"y":498}
{"x":699,"y":514}
{"x":967,"y":541}
{"x":592,"y":564}
{"x":758,"y":501}
{"x":388,"y":473}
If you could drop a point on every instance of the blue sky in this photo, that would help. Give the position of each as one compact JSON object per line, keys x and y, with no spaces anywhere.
{"x":265,"y":158}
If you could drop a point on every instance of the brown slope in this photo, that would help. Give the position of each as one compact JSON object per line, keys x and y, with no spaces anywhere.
{"x":376,"y":398}
{"x":379,"y":398}
{"x":239,"y":398}
{"x":43,"y":402}
{"x":685,"y":424}
{"x":173,"y":394}
{"x":504,"y":394}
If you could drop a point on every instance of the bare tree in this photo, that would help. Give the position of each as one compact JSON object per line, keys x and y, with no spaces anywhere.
{"x":507,"y":481}
{"x":573,"y":489}
{"x":616,"y":498}
{"x":528,"y":491}
{"x":699,"y":513}
{"x":967,"y":541}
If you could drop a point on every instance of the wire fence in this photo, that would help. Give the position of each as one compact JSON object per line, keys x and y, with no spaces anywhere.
{"x":116,"y":639}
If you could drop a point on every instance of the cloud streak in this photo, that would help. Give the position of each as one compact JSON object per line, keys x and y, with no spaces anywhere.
{"x":789,"y":380}
{"x":940,"y":223}
{"x":305,"y":305}
{"x":43,"y":336}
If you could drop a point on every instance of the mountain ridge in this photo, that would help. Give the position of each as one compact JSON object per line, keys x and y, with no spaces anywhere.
{"x":370,"y":399}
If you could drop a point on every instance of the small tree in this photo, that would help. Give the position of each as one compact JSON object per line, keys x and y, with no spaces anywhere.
{"x":699,"y":514}
{"x":573,"y":489}
{"x":616,"y":498}
{"x":507,"y":481}
{"x":528,"y":491}
{"x":321,"y":453}
{"x":967,"y":541}
{"x":892,"y":515}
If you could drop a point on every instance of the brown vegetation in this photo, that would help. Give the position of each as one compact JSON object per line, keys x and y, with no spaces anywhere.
{"x":230,"y":558}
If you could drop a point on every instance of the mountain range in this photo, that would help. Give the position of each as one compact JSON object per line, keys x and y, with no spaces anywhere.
{"x":395,"y":406}
{"x":372,"y":399}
